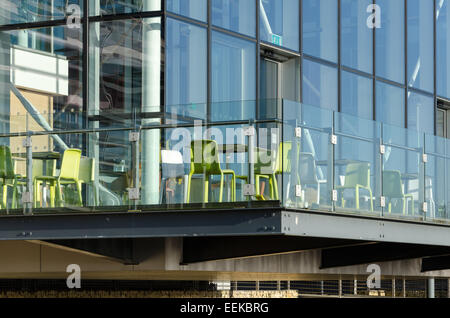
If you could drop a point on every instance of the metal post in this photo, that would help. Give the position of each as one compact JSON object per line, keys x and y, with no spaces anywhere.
{"x":151,"y":101}
{"x":340,"y":288}
{"x":404,"y":288}
{"x":27,"y":198}
{"x":393,"y":287}
{"x":431,"y":288}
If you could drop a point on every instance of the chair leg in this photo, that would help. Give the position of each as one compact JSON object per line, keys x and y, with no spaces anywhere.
{"x":221,"y":188}
{"x":59,"y":194}
{"x":188,"y":197}
{"x":371,"y":200}
{"x":206,"y":189}
{"x":275,"y":186}
{"x":357,"y":198}
{"x":80,"y":195}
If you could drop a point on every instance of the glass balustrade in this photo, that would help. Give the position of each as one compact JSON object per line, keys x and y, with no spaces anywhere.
{"x":300,"y":157}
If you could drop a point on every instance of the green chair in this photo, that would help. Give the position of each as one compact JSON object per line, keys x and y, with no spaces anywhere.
{"x":205,"y":161}
{"x":69,"y":174}
{"x":393,"y":189}
{"x":278,"y":163}
{"x":42,"y":168}
{"x":7,"y":175}
{"x":357,"y":177}
{"x":87,"y":175}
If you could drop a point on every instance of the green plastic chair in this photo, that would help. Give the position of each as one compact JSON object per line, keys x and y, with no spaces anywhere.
{"x":205,"y":161}
{"x":87,"y":175}
{"x":7,"y":175}
{"x":37,"y":174}
{"x":69,"y":174}
{"x":279,"y":163}
{"x":357,"y":177}
{"x":393,"y":189}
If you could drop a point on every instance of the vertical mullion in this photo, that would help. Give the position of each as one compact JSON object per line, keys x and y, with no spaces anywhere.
{"x":374,"y":71}
{"x":339,"y":56}
{"x":258,"y":60}
{"x":300,"y":19}
{"x":406,"y":61}
{"x":435,"y":65}
{"x":209,"y":62}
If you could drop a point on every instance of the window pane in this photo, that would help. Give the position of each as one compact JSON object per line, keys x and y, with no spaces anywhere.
{"x":443,"y":50}
{"x":235,"y":15}
{"x":390,"y":41}
{"x":421,"y":112}
{"x":320,"y":85}
{"x":357,"y":95}
{"x":123,"y":73}
{"x":186,"y":63}
{"x":320,"y":28}
{"x":420,"y":44}
{"x":195,"y":9}
{"x":24,"y":11}
{"x":279,"y":22}
{"x":390,"y":106}
{"x":357,"y":38}
{"x":233,"y":77}
{"x":101,"y":7}
{"x":49,"y":77}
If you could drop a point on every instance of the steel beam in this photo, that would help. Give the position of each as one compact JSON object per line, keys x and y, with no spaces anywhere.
{"x":439,"y":263}
{"x":376,"y":253}
{"x":141,"y":224}
{"x":365,"y":228}
{"x":202,"y":249}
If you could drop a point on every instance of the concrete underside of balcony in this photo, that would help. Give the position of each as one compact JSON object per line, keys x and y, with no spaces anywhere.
{"x":240,"y":244}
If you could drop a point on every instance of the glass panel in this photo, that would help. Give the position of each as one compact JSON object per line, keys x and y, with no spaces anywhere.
{"x":235,"y":15}
{"x":402,"y":178}
{"x":13,"y":154}
{"x":279,"y":22}
{"x":390,"y":39}
{"x":442,"y":48}
{"x":307,"y":176}
{"x":320,"y":28}
{"x":357,"y":38}
{"x":319,"y":85}
{"x":123,"y":74}
{"x":420,"y":44}
{"x":421,"y":112}
{"x":357,"y":164}
{"x":233,"y":77}
{"x":26,"y":11}
{"x":357,"y":95}
{"x":185,"y":63}
{"x":390,"y":105}
{"x":106,"y":7}
{"x":192,"y":161}
{"x":435,"y":177}
{"x":195,"y":9}
{"x":43,"y":83}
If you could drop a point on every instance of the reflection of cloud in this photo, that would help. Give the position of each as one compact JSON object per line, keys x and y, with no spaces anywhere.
{"x":414,"y":75}
{"x":440,"y":5}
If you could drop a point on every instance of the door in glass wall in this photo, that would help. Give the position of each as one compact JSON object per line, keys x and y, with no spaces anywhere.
{"x":443,"y":120}
{"x":279,"y":79}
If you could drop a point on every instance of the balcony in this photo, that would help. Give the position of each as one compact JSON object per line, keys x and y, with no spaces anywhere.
{"x":298,"y":171}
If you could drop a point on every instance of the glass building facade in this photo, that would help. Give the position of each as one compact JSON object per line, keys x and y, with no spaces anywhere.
{"x":115,"y":79}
